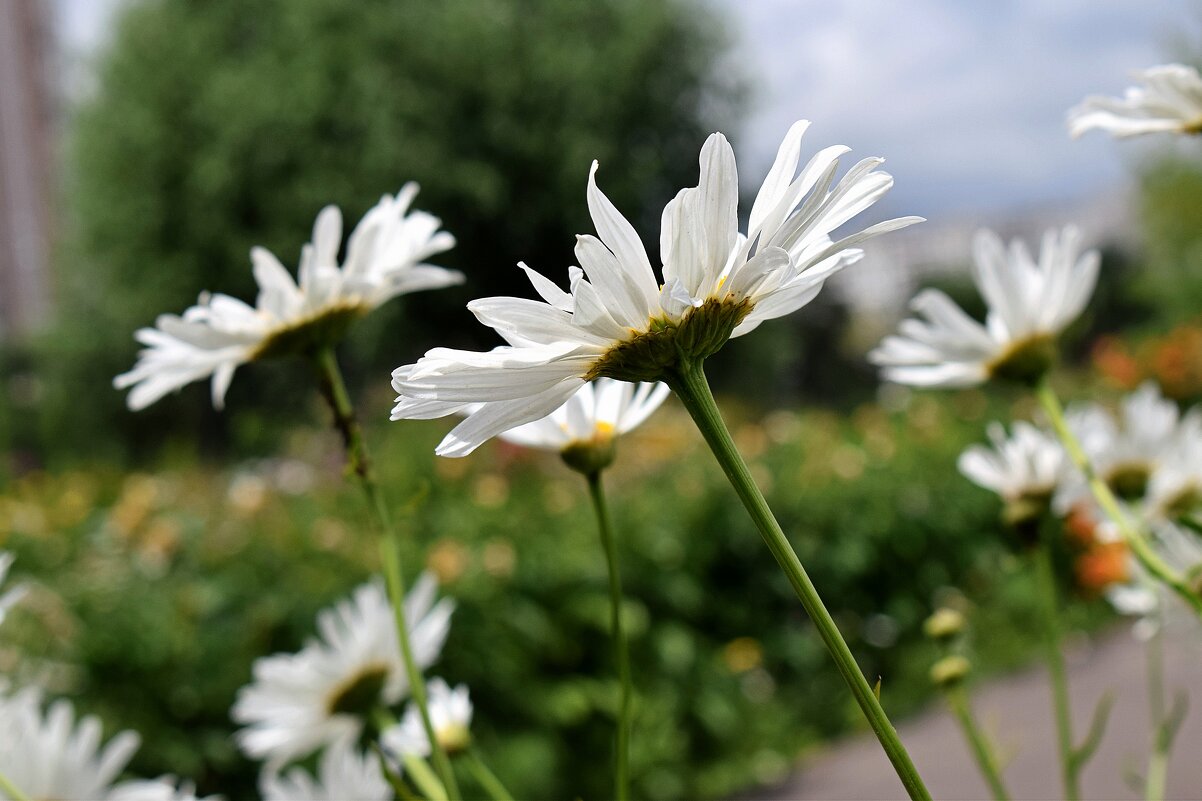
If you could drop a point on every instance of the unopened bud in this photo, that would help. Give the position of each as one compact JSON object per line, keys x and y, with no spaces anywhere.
{"x":950,"y":671}
{"x":945,"y":624}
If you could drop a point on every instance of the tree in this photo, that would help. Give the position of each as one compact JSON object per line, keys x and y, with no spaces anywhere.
{"x":221,"y":124}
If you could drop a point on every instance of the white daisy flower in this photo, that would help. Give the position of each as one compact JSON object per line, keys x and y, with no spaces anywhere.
{"x":322,"y":694}
{"x":1124,"y":453}
{"x":53,"y":756}
{"x":599,"y":410}
{"x":221,"y":333}
{"x":13,"y":594}
{"x":1023,"y":469}
{"x":1170,"y":100}
{"x":450,"y":717}
{"x":163,"y":789}
{"x":619,"y":321}
{"x":1030,"y":303}
{"x":342,"y":772}
{"x":1141,"y":596}
{"x":1175,"y":486}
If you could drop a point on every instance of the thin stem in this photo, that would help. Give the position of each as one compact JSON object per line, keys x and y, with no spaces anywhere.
{"x":424,"y":778}
{"x":1055,"y":659}
{"x":11,"y":790}
{"x":957,"y":699}
{"x":621,"y":651}
{"x":689,"y":383}
{"x":488,"y":780}
{"x":1102,"y":493}
{"x":1158,"y":760}
{"x":333,"y":388}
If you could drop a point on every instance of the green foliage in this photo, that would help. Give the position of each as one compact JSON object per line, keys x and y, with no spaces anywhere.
{"x":1171,"y":217}
{"x":155,"y":592}
{"x":221,"y":124}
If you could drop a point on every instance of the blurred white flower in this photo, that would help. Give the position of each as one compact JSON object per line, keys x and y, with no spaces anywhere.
{"x":450,"y":717}
{"x":220,"y":333}
{"x":1025,"y":466}
{"x":621,"y":322}
{"x":51,"y":756}
{"x":342,"y":773}
{"x":1029,"y":302}
{"x":599,"y":410}
{"x":13,"y":594}
{"x":322,"y":694}
{"x":1125,"y":453}
{"x":1138,"y":594}
{"x":1170,"y":100}
{"x":163,"y":789}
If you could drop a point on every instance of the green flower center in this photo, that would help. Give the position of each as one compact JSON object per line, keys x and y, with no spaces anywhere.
{"x":590,"y":456}
{"x":649,"y":355}
{"x":1129,"y":481}
{"x":1183,"y":503}
{"x":326,"y":327}
{"x":361,"y":694}
{"x":1025,"y":361}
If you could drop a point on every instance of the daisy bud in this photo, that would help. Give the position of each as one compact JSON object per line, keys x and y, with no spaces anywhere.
{"x":944,"y":625}
{"x":950,"y":671}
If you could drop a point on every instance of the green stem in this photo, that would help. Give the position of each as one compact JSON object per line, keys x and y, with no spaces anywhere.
{"x":1158,"y":760}
{"x":488,"y":780}
{"x":957,"y":698}
{"x":1051,"y":618}
{"x":333,"y":388}
{"x":621,"y":652}
{"x":689,"y":383}
{"x":1102,"y":493}
{"x":424,"y":778}
{"x":11,"y":790}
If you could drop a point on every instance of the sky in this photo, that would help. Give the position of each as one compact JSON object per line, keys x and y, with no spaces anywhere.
{"x":965,"y":100}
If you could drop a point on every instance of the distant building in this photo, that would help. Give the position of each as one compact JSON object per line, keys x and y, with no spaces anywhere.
{"x":27,"y":108}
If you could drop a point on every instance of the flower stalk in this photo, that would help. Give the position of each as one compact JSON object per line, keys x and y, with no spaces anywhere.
{"x":1139,"y":545}
{"x":333,"y":389}
{"x":11,"y":790}
{"x":982,"y":752}
{"x":487,"y":779}
{"x":688,"y":380}
{"x":621,"y":649}
{"x":1046,"y":578}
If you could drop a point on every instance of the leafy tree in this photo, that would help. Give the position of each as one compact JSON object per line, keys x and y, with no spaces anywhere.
{"x":221,"y":124}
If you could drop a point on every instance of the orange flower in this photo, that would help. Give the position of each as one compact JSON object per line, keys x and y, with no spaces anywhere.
{"x":1101,"y":565}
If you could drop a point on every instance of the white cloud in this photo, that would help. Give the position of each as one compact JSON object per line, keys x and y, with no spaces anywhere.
{"x":966,"y":100}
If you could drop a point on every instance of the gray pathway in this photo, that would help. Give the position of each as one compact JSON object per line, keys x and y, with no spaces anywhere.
{"x":1018,"y":710}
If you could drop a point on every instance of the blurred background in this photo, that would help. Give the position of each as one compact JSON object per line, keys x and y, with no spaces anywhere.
{"x":146,"y":145}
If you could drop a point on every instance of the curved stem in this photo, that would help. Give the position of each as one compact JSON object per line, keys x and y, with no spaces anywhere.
{"x":333,"y":389}
{"x":689,"y":383}
{"x":1055,"y":659}
{"x":1102,"y":493}
{"x":1158,"y":760}
{"x":957,"y":699}
{"x":11,"y":790}
{"x":621,"y":651}
{"x":488,"y":780}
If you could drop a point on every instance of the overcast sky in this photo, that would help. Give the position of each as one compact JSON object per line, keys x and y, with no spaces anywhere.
{"x":965,"y":100}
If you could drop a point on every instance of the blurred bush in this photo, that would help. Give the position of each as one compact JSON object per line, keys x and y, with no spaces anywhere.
{"x":155,"y":591}
{"x":221,"y":124}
